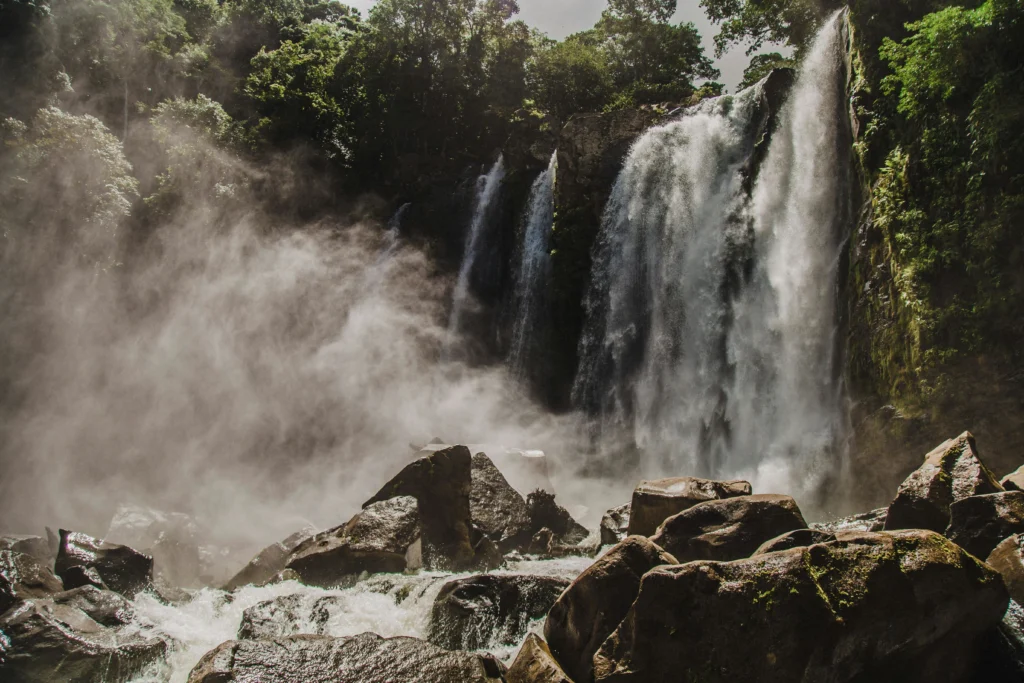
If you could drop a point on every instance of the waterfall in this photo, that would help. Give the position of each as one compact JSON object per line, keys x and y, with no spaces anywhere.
{"x":711,"y":316}
{"x":533,"y":261}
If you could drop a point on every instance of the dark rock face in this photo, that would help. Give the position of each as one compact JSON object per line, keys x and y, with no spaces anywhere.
{"x":470,"y":613}
{"x":268,"y":563}
{"x":545,"y":513}
{"x":1008,"y":560}
{"x":592,"y":607}
{"x":170,"y":538}
{"x":288,"y":615}
{"x":729,"y":529}
{"x":615,"y":525}
{"x":535,"y":664}
{"x":655,"y":501}
{"x":78,"y":577}
{"x":801,"y":538}
{"x":35,"y":546}
{"x":23,"y":577}
{"x":365,"y":658}
{"x":496,"y":508}
{"x":441,"y":484}
{"x":1014,"y":481}
{"x":56,"y":643}
{"x":951,"y":472}
{"x":866,"y":521}
{"x":120,"y":568}
{"x":979,"y":523}
{"x":104,"y":607}
{"x":904,"y":606}
{"x":384,"y":537}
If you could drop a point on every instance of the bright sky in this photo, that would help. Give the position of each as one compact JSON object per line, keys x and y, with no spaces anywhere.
{"x":559,"y":18}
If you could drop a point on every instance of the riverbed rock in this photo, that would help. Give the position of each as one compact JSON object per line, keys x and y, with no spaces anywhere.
{"x":535,"y":664}
{"x":979,"y":523}
{"x":366,"y":658}
{"x":865,"y":521}
{"x":728,"y":529}
{"x":801,"y":538}
{"x":490,"y":608}
{"x":594,"y":604}
{"x":441,"y":483}
{"x":104,"y":607}
{"x":1014,"y":481}
{"x":615,"y":525}
{"x":951,"y":472}
{"x":1008,"y":559}
{"x":170,"y":538}
{"x":35,"y":546}
{"x":269,"y":562}
{"x":657,"y":500}
{"x":907,"y":606}
{"x":496,"y":508}
{"x":545,"y":513}
{"x":54,"y":643}
{"x":120,"y":568}
{"x":289,"y":615}
{"x":384,"y":537}
{"x":22,"y":577}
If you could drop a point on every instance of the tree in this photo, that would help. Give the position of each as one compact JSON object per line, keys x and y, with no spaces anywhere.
{"x":762,"y":65}
{"x":571,"y":76}
{"x":756,"y":22}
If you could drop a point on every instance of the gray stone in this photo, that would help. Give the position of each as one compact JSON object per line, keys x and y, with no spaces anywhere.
{"x":615,"y":525}
{"x":119,"y":567}
{"x":657,"y":500}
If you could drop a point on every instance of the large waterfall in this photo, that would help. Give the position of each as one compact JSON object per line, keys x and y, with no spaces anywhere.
{"x":711,"y":315}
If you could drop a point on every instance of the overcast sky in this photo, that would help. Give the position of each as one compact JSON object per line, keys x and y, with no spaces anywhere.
{"x":559,"y":18}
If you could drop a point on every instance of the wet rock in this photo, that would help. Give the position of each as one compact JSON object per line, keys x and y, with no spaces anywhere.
{"x":487,"y":553}
{"x":384,"y":537}
{"x":288,"y":615}
{"x":906,"y":606}
{"x":951,"y":472}
{"x":472,"y":612}
{"x":535,"y":664}
{"x":34,"y":546}
{"x":104,"y":607}
{"x":23,"y":577}
{"x":545,"y":513}
{"x":542,"y":543}
{"x":119,"y":567}
{"x":366,"y":658}
{"x":800,"y":538}
{"x":77,"y":577}
{"x":269,"y":562}
{"x":1014,"y":481}
{"x":594,"y":604}
{"x":866,"y":521}
{"x":441,"y":483}
{"x":496,"y":508}
{"x":170,"y":538}
{"x":55,"y":643}
{"x":1008,"y":560}
{"x":978,"y":524}
{"x":657,"y":500}
{"x":615,"y":525}
{"x":728,"y":529}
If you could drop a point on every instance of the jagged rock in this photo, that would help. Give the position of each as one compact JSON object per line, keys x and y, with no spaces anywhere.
{"x":53,"y":643}
{"x":657,"y":500}
{"x":79,"y":577}
{"x":535,"y":664}
{"x":594,"y":604}
{"x":288,"y":615}
{"x":978,"y":524}
{"x":545,"y":513}
{"x":366,"y":658}
{"x":170,"y":538}
{"x":104,"y":607}
{"x":951,"y":472}
{"x":487,"y":553}
{"x":800,"y":538}
{"x":35,"y":546}
{"x":866,"y":521}
{"x":1008,"y":560}
{"x":441,"y":484}
{"x":472,"y":612}
{"x":269,"y":563}
{"x":728,"y":529}
{"x":496,"y":508}
{"x":907,"y":606}
{"x":384,"y":537}
{"x":23,"y":577}
{"x":1014,"y":481}
{"x":120,"y":568}
{"x":542,"y":542}
{"x":615,"y":525}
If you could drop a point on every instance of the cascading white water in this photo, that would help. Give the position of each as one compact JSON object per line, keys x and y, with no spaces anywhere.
{"x":530,"y":278}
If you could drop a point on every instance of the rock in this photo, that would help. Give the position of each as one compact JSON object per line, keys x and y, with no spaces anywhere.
{"x":288,"y":615}
{"x":1008,"y":560}
{"x":951,"y":472}
{"x":46,"y":641}
{"x":657,"y":500}
{"x":594,"y":604}
{"x":77,"y":577}
{"x":615,"y":525}
{"x":907,"y":606}
{"x":542,"y":542}
{"x":366,"y":658}
{"x":121,"y":568}
{"x":23,"y":577}
{"x":488,"y":555}
{"x":1014,"y":481}
{"x":728,"y":529}
{"x":496,"y":508}
{"x":104,"y":607}
{"x":34,"y":546}
{"x":978,"y":524}
{"x":472,"y":612}
{"x":866,"y":521}
{"x":441,"y":484}
{"x":800,"y":538}
{"x":545,"y":513}
{"x":269,"y":562}
{"x":170,"y":538}
{"x":384,"y":537}
{"x":535,"y":664}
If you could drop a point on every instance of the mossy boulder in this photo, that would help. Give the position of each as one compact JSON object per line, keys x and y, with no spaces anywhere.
{"x":979,"y":523}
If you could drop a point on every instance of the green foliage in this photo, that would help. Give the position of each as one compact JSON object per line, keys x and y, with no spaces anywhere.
{"x":762,"y":65}
{"x":756,"y":22}
{"x":571,"y":76}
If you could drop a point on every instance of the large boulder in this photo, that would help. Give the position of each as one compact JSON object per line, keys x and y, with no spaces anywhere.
{"x":497,"y":509}
{"x":906,"y":606}
{"x":23,"y":577}
{"x":865,"y":521}
{"x":104,"y":607}
{"x":470,"y":613}
{"x":979,"y":523}
{"x":269,"y":562}
{"x":46,"y":642}
{"x":545,"y":513}
{"x":36,"y":546}
{"x":800,"y":538}
{"x":615,"y":525}
{"x":170,"y":538}
{"x":80,"y":558}
{"x":594,"y":604}
{"x":728,"y":529}
{"x":366,"y":658}
{"x":951,"y":472}
{"x":1008,"y":559}
{"x":657,"y":500}
{"x":289,"y":615}
{"x":441,"y":483}
{"x":383,"y":537}
{"x":1014,"y":481}
{"x":535,"y":664}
